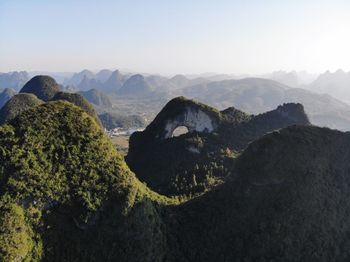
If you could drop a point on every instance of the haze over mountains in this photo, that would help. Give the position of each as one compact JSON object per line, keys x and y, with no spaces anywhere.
{"x":336,"y":83}
{"x":174,"y":131}
{"x":230,"y":190}
{"x":325,"y":97}
{"x":239,"y":178}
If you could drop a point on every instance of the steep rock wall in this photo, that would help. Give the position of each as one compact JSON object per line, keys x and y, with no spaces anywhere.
{"x":192,"y":118}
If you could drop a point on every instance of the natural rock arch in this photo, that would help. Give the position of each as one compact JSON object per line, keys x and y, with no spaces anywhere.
{"x":167,"y":164}
{"x":194,"y":119}
{"x":180,"y":130}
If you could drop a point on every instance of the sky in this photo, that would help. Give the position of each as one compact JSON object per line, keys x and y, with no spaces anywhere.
{"x":179,"y":36}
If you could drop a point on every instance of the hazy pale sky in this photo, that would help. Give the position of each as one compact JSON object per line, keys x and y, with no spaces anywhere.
{"x":179,"y":36}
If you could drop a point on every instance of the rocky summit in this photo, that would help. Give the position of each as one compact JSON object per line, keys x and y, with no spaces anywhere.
{"x":202,"y":158}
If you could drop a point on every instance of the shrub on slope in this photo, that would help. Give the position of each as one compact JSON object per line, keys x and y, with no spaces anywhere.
{"x":16,"y":105}
{"x":44,"y":87}
{"x":79,"y":101}
{"x":79,"y":198}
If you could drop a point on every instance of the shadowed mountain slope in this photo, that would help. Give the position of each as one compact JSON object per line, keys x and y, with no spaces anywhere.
{"x":14,"y":80}
{"x":6,"y":95}
{"x":18,"y":104}
{"x":198,"y":160}
{"x":114,"y":120}
{"x":135,"y":85}
{"x":287,"y":200}
{"x":256,"y":95}
{"x":79,"y":101}
{"x":67,"y":195}
{"x":97,"y":98}
{"x":44,"y":87}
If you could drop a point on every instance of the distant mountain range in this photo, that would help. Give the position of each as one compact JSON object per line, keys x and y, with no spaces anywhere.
{"x":256,"y":95}
{"x":15,"y":80}
{"x":66,"y":193}
{"x":97,"y":98}
{"x":291,"y":78}
{"x":324,"y":97}
{"x":114,"y":82}
{"x":185,"y":164}
{"x":114,"y":79}
{"x":5,"y":95}
{"x":337,"y":84}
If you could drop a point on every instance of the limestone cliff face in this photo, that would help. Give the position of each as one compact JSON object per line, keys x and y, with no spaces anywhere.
{"x":194,"y":119}
{"x":183,"y":112}
{"x":169,"y":164}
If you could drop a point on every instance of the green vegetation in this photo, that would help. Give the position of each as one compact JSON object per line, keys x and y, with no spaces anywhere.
{"x":43,"y":87}
{"x":196,"y":162}
{"x":66,"y":194}
{"x":16,"y":105}
{"x":79,"y":101}
{"x":16,"y":236}
{"x":57,"y":160}
{"x":238,"y":136}
{"x":121,"y":143}
{"x":113,"y":120}
{"x":97,"y":98}
{"x":286,"y":201}
{"x":235,"y":116}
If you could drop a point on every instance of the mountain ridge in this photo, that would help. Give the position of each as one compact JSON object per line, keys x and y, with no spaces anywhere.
{"x":180,"y":165}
